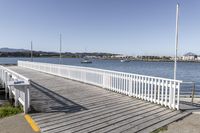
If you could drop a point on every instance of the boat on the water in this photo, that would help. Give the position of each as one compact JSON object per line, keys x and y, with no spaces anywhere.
{"x":125,"y":60}
{"x":85,"y":60}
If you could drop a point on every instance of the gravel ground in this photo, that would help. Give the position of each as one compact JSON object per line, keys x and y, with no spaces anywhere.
{"x":190,"y":124}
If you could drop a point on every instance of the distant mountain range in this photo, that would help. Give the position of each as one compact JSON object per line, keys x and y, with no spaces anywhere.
{"x":10,"y":50}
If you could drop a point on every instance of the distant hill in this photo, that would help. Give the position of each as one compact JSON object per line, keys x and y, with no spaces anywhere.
{"x":10,"y":50}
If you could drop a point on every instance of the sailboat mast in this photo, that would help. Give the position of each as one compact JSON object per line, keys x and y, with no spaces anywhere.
{"x":60,"y":48}
{"x":31,"y":51}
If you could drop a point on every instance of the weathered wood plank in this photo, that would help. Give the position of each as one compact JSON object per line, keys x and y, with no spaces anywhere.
{"x":159,"y":124}
{"x":88,"y":112}
{"x":124,"y":120}
{"x":101,"y":106}
{"x":95,"y":115}
{"x":85,"y":125}
{"x":148,"y":123}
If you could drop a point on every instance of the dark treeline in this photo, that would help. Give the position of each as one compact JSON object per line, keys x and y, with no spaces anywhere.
{"x":53,"y":54}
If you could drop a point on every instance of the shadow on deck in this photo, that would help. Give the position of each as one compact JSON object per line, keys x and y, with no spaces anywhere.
{"x":50,"y":101}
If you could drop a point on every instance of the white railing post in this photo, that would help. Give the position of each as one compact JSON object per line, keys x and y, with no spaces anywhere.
{"x":170,"y":95}
{"x":155,"y":90}
{"x":162,"y":91}
{"x":26,"y":99}
{"x":178,"y":96}
{"x":16,"y":96}
{"x":139,"y":87}
{"x":166,"y":92}
{"x":25,"y":107}
{"x":104,"y":80}
{"x":136,"y":86}
{"x":148,"y":89}
{"x":85,"y":76}
{"x":145,"y":88}
{"x":9,"y":88}
{"x":130,"y":86}
{"x":158,"y":96}
{"x":152,"y":89}
{"x":174,"y":95}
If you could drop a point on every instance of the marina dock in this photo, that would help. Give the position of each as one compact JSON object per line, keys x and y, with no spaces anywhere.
{"x":58,"y":104}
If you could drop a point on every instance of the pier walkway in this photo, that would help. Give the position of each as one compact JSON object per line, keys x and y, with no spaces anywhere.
{"x":62,"y":105}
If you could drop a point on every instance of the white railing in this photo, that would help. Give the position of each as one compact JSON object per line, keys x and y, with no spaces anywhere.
{"x":16,"y":86}
{"x":153,"y":89}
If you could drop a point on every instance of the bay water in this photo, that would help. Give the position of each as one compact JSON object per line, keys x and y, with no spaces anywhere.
{"x":186,"y":71}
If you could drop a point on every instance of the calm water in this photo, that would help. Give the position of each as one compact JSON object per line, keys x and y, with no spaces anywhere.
{"x":185,"y":71}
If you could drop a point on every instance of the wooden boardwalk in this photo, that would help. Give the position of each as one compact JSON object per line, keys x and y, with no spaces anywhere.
{"x":62,"y":105}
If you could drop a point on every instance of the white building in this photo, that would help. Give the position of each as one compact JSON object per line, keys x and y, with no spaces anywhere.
{"x":189,"y":57}
{"x":198,"y":58}
{"x":118,"y":56}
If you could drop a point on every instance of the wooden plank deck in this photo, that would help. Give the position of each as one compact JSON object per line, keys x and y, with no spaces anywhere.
{"x":62,"y":105}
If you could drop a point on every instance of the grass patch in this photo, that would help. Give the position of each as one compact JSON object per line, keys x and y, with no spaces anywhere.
{"x":160,"y":129}
{"x":9,"y":110}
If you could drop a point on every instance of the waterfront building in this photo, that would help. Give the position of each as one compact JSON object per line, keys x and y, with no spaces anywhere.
{"x":189,"y":56}
{"x":198,"y":58}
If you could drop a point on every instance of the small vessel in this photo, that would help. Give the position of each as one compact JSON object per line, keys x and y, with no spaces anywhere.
{"x":125,"y":60}
{"x":85,"y":60}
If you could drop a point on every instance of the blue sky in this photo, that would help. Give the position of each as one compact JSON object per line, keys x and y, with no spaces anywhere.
{"x":133,"y":27}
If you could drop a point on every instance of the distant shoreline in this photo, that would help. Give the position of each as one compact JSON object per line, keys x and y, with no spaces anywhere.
{"x":143,"y":60}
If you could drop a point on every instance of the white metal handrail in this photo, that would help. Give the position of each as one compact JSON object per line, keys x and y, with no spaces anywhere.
{"x":158,"y":90}
{"x":16,"y":86}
